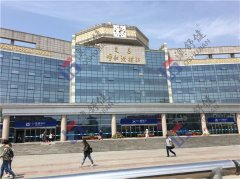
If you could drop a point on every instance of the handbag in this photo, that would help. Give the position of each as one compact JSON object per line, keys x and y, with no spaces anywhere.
{"x":172,"y":145}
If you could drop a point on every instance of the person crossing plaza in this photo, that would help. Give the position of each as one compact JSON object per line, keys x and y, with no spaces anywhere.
{"x":7,"y":156}
{"x":170,"y":146}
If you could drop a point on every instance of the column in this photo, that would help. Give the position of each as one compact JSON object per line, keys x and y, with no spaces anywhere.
{"x":5,"y":128}
{"x":63,"y":135}
{"x":72,"y":83}
{"x":204,"y":124}
{"x":164,"y":125}
{"x":238,"y":122}
{"x":114,"y":125}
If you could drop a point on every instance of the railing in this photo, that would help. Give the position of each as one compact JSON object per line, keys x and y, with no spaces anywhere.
{"x":208,"y":168}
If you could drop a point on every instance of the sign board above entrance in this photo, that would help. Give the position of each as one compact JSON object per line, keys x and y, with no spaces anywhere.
{"x":34,"y":124}
{"x":221,"y":120}
{"x":127,"y":121}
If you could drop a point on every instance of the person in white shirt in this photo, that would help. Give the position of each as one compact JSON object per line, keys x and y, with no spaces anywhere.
{"x":50,"y":137}
{"x":146,"y":134}
{"x":169,"y":146}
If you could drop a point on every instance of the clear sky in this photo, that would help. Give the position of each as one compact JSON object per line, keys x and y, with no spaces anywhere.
{"x":172,"y":22}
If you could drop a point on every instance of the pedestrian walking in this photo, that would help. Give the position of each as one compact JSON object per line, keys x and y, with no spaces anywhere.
{"x":169,"y":146}
{"x":6,"y":155}
{"x":146,"y":134}
{"x":44,"y":136}
{"x":19,"y":139}
{"x":10,"y":162}
{"x":41,"y":137}
{"x":87,"y":150}
{"x":100,"y":135}
{"x":50,"y":137}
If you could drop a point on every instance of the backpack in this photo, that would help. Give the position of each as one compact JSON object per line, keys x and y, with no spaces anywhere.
{"x":90,"y":150}
{"x":9,"y":153}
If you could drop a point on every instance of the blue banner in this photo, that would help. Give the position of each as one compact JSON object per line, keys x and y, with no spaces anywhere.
{"x":34,"y":124}
{"x":221,"y":120}
{"x":139,"y":121}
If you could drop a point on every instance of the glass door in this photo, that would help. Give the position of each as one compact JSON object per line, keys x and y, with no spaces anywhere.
{"x":38,"y":133}
{"x":27,"y":135}
{"x":33,"y":135}
{"x":142,"y":129}
{"x":135,"y":130}
{"x":128,"y":131}
{"x":138,"y":130}
{"x":19,"y":135}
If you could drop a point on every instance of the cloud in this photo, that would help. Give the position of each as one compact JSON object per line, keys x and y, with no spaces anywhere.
{"x":222,"y":27}
{"x":84,"y":12}
{"x":212,"y":28}
{"x":159,"y":21}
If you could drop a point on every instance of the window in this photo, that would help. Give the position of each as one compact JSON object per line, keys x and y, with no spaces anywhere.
{"x":16,"y":58}
{"x":13,"y":87}
{"x":15,"y":72}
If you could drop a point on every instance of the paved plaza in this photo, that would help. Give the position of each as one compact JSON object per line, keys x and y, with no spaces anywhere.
{"x":32,"y":166}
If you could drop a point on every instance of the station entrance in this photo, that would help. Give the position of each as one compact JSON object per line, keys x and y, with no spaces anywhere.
{"x":222,"y":125}
{"x":222,"y":128}
{"x":135,"y":126}
{"x":139,"y":130}
{"x":30,"y":131}
{"x":31,"y":134}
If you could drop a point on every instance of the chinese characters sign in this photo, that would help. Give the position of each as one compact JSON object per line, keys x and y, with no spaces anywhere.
{"x":34,"y":124}
{"x":125,"y":121}
{"x":122,"y":54}
{"x":221,"y":120}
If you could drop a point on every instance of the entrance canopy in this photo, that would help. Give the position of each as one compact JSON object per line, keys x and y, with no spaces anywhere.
{"x":75,"y":109}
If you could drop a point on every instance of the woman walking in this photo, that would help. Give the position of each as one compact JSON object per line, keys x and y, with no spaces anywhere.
{"x":87,"y":150}
{"x":6,"y":155}
{"x":11,"y":155}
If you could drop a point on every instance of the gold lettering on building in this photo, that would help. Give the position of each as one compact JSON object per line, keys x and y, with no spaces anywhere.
{"x":214,"y":61}
{"x":24,"y":50}
{"x":122,"y":54}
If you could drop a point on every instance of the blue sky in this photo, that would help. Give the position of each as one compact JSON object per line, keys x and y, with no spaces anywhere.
{"x":172,"y":22}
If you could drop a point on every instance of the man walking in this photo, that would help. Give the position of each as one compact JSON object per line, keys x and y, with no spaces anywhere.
{"x":169,"y":146}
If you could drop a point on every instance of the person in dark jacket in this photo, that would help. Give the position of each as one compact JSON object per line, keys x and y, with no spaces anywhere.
{"x":86,"y":152}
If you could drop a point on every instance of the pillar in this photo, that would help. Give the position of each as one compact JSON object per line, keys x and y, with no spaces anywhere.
{"x":63,"y":135}
{"x":209,"y":55}
{"x":114,"y":125}
{"x":164,"y":125}
{"x":238,"y":122}
{"x":204,"y":124}
{"x":5,"y":127}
